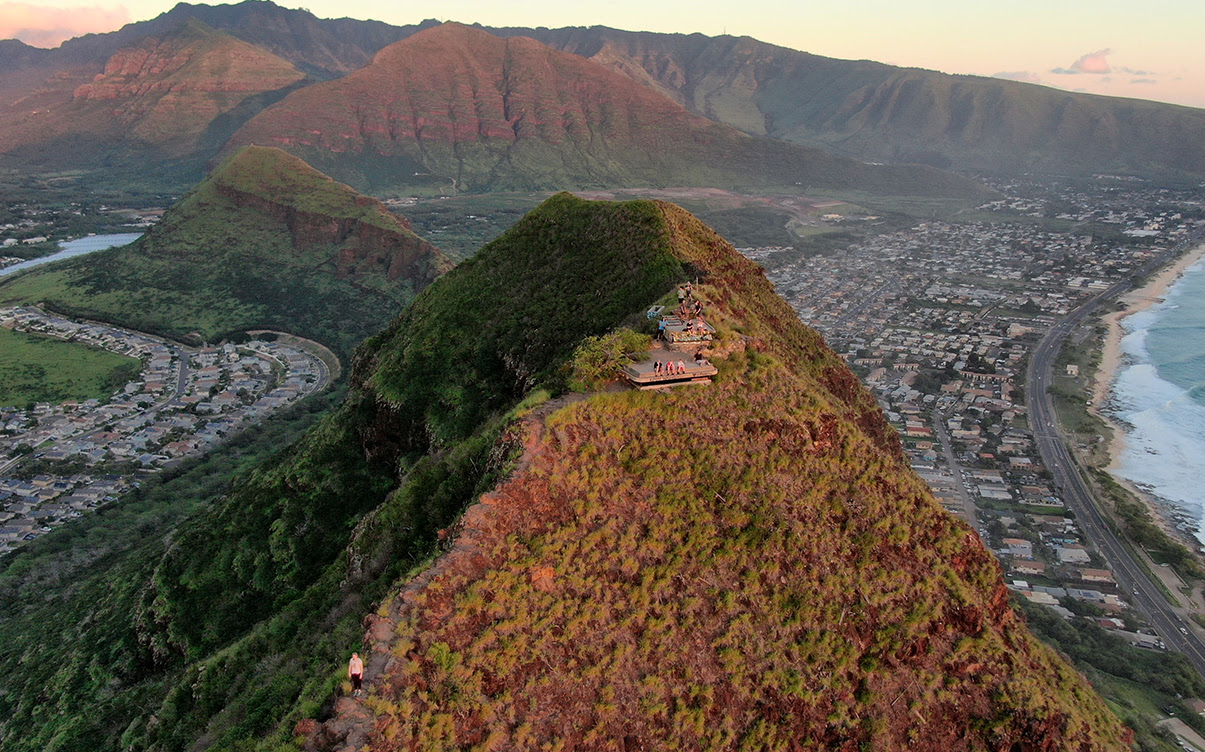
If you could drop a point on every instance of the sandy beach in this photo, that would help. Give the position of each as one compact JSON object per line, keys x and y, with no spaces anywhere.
{"x":1111,"y":360}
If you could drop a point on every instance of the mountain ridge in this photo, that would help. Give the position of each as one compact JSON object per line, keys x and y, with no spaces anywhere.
{"x":755,"y":541}
{"x":472,"y":111}
{"x":767,"y":515}
{"x":862,"y":109}
{"x":875,"y":111}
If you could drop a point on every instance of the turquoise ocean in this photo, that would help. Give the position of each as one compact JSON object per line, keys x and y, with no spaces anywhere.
{"x":1159,"y":397}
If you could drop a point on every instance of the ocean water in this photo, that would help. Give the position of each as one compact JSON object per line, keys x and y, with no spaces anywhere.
{"x":1159,"y":395}
{"x":72,"y":248}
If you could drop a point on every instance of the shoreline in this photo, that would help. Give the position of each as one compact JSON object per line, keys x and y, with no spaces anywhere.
{"x":69,"y":251}
{"x":1111,"y":362}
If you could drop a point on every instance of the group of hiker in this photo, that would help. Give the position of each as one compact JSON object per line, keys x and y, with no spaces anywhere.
{"x":690,"y":316}
{"x":670,"y":368}
{"x":689,"y":307}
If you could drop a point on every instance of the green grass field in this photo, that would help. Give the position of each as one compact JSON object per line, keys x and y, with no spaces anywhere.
{"x":42,"y":369}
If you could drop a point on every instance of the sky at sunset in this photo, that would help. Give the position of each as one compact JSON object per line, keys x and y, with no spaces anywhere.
{"x":1149,"y":50}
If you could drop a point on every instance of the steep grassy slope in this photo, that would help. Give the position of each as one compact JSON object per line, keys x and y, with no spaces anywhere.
{"x":746,"y":565}
{"x":646,"y":585}
{"x":885,"y":113}
{"x":457,"y":108}
{"x":264,"y":241}
{"x":238,"y":626}
{"x":762,"y":533}
{"x":172,"y":98}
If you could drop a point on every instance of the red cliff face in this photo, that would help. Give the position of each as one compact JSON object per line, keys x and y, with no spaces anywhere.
{"x":181,"y":64}
{"x":160,"y":95}
{"x":364,"y":248}
{"x":458,"y":102}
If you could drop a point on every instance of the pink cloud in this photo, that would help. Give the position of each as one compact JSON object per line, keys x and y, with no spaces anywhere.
{"x":1094,"y":62}
{"x":49,"y":27}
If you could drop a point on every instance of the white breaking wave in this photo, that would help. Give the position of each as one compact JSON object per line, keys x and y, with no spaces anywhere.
{"x":1165,"y":427}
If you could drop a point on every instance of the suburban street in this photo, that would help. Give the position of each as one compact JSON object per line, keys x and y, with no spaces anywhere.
{"x":960,"y":487}
{"x":1075,"y":492}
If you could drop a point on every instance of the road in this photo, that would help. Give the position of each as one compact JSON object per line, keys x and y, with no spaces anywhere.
{"x":1147,"y":598}
{"x":866,"y":300}
{"x":943,"y":438}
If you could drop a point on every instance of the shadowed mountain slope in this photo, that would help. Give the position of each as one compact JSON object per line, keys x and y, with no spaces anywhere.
{"x":264,"y":241}
{"x":458,"y":108}
{"x":881,"y":112}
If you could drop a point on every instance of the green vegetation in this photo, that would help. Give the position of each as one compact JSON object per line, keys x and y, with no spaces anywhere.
{"x":89,"y":579}
{"x":908,"y":204}
{"x":672,"y":588}
{"x":461,"y":225}
{"x":264,"y":242}
{"x":1140,"y":528}
{"x":751,"y":227}
{"x":56,"y":207}
{"x":809,"y":566}
{"x":43,"y":369}
{"x":1072,"y":395}
{"x":1138,"y":684}
{"x":572,"y":269}
{"x":601,"y":359}
{"x":277,"y":178}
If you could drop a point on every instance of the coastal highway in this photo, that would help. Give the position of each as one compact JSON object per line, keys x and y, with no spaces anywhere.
{"x":1145,"y":594}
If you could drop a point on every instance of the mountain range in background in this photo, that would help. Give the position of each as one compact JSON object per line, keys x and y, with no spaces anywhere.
{"x":161,"y":98}
{"x":468,"y":110}
{"x":880,"y":112}
{"x":864,"y":110}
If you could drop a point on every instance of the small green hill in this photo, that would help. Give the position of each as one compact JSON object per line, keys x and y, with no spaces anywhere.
{"x":748,"y":562}
{"x":265,"y":241}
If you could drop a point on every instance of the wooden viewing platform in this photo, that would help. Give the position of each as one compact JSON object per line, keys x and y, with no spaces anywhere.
{"x":679,"y":333}
{"x":641,"y":376}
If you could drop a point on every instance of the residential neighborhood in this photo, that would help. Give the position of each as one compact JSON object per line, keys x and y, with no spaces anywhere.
{"x":183,"y":402}
{"x":939,"y":320}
